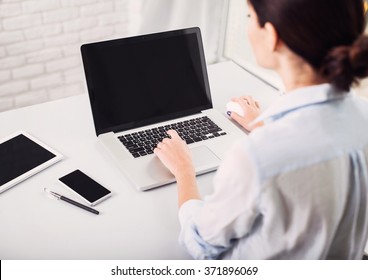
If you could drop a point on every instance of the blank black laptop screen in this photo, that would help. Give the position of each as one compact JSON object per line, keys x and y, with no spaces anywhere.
{"x":142,"y":80}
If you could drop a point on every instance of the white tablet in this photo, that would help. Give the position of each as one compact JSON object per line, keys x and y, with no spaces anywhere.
{"x":21,"y":156}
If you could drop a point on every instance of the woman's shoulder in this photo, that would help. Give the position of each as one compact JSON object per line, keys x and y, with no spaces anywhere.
{"x":304,"y":139}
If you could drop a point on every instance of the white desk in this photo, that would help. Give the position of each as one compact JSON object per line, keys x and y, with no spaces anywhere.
{"x":132,"y":224}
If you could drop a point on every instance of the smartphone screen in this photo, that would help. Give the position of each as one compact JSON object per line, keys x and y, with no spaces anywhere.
{"x":85,"y":186}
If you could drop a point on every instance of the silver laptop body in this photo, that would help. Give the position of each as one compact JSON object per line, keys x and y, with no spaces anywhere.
{"x":140,"y":87}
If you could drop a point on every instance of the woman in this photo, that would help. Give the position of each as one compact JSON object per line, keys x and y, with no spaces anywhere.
{"x":297,"y":187}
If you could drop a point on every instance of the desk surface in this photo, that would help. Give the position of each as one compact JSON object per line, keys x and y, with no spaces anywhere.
{"x":132,"y":224}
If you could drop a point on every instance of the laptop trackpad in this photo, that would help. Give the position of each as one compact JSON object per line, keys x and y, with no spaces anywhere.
{"x":204,"y":159}
{"x":157,"y":174}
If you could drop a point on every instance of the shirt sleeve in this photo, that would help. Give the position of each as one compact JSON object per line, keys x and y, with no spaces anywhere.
{"x":210,"y":227}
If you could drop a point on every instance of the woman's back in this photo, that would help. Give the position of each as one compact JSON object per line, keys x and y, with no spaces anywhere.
{"x":312,"y":166}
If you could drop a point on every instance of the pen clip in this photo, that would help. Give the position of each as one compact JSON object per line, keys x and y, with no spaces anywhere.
{"x":52,"y":194}
{"x":68,"y":200}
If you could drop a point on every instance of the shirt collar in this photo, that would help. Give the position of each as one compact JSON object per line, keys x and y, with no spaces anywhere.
{"x":299,"y":98}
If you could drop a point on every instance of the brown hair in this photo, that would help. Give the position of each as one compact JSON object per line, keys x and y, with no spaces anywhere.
{"x":328,"y":34}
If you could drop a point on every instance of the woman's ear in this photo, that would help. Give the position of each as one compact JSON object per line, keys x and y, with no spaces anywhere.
{"x":272,"y":37}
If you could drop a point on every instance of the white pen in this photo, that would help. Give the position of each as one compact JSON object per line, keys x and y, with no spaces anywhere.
{"x":61,"y":197}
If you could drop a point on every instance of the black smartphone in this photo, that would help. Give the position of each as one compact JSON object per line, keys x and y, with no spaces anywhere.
{"x":87,"y":188}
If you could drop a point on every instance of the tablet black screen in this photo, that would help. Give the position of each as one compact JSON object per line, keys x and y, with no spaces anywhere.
{"x":20,"y":155}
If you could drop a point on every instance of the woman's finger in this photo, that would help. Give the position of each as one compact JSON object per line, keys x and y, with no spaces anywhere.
{"x":165,"y":141}
{"x":173,"y":133}
{"x":243,"y":103}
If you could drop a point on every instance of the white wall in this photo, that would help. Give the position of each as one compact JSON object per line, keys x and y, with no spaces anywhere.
{"x":208,"y":15}
{"x":40,"y":40}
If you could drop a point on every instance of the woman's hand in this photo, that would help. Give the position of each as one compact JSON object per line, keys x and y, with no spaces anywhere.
{"x":175,"y":155}
{"x":251,"y":111}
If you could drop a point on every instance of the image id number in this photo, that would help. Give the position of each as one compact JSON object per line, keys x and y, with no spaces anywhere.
{"x":213,"y":270}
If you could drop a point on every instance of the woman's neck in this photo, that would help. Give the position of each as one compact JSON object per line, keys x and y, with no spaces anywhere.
{"x":296,"y":73}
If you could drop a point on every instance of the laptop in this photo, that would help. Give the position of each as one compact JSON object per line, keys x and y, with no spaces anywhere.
{"x":140,"y":87}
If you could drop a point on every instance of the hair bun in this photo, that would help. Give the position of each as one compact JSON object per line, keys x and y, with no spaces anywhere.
{"x":359,"y":57}
{"x":345,"y":65}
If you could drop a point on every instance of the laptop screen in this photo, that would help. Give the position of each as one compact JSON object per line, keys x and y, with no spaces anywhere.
{"x":146,"y":79}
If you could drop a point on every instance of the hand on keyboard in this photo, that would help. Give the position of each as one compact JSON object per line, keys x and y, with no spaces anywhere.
{"x":199,"y":129}
{"x":175,"y":154}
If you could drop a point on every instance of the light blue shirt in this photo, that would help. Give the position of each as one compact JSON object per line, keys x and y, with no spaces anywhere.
{"x":296,"y":188}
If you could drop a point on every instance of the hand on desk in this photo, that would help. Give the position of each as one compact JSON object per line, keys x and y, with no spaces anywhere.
{"x":251,"y":111}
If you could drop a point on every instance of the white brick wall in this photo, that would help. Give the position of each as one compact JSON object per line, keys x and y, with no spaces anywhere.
{"x":40,"y":44}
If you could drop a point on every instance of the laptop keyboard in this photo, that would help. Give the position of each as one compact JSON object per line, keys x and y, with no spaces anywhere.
{"x":144,"y":142}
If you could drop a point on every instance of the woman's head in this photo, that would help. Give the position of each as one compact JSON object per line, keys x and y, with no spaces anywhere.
{"x":327,"y":34}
